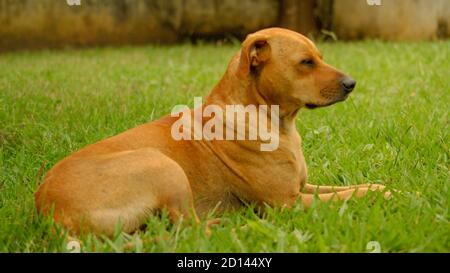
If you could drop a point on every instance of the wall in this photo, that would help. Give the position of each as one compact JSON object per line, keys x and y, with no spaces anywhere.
{"x":392,"y":20}
{"x":53,"y":23}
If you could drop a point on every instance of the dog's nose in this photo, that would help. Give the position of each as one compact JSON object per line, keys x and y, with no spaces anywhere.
{"x":348,"y":84}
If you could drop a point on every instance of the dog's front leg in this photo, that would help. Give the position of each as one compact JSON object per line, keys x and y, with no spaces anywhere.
{"x":343,"y":195}
{"x":310,"y":188}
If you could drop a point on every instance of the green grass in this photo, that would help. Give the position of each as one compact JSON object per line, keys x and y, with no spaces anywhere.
{"x":394,"y":130}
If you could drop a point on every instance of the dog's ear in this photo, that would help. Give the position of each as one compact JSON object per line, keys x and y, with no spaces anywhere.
{"x":255,"y":52}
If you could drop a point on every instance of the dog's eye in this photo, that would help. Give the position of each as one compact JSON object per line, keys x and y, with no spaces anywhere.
{"x":309,"y":62}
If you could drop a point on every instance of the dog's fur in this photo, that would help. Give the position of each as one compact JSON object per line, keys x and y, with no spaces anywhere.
{"x":127,"y":177}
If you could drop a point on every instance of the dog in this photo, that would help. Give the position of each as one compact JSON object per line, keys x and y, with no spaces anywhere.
{"x":126,"y":178}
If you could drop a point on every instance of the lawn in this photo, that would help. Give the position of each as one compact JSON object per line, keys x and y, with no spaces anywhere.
{"x":394,"y":129}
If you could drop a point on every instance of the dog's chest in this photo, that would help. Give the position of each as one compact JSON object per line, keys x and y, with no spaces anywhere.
{"x":271,"y":176}
{"x":251,"y":175}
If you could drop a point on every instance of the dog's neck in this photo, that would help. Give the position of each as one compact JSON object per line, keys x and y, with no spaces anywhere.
{"x":235,"y":90}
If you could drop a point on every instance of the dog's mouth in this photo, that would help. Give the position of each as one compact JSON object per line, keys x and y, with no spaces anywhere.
{"x":314,"y":105}
{"x":311,"y":105}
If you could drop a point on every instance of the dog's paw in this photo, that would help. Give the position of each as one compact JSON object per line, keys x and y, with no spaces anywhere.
{"x":211,"y":223}
{"x":376,"y":187}
{"x":387,"y":195}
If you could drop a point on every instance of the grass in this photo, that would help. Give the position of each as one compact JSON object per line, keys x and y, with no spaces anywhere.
{"x":393,"y":130}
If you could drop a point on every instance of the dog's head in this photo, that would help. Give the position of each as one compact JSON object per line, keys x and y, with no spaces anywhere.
{"x":288,"y":69}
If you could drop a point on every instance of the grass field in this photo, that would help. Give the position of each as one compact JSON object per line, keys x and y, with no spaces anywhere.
{"x":394,"y":129}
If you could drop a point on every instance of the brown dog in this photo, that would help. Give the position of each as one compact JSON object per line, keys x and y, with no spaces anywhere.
{"x":127,"y":177}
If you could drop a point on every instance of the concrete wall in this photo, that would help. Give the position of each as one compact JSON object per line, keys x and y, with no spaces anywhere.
{"x":31,"y":23}
{"x":392,"y":20}
{"x":53,"y":23}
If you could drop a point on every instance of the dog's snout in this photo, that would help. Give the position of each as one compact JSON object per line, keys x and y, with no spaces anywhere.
{"x":348,"y":84}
